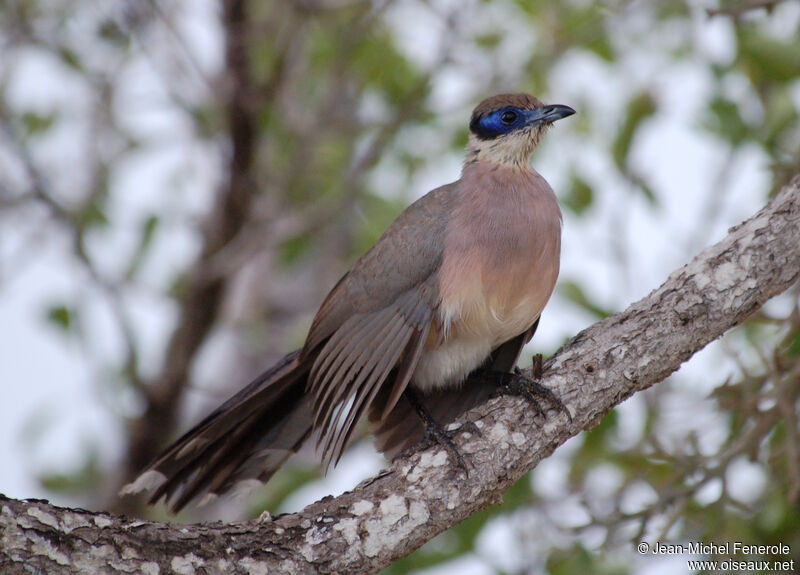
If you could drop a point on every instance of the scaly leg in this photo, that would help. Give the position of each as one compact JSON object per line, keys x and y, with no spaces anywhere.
{"x":517,"y":383}
{"x":435,"y":433}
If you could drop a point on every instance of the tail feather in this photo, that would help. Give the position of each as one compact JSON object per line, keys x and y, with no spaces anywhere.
{"x":265,"y":441}
{"x":246,"y":438}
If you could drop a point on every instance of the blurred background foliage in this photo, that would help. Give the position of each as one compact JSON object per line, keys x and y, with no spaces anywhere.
{"x":182,"y":182}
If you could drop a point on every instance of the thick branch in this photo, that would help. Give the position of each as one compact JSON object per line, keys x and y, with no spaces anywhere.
{"x":420,"y":496}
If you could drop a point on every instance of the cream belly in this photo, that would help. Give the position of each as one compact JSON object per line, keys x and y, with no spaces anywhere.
{"x":471,"y":336}
{"x":449,"y":364}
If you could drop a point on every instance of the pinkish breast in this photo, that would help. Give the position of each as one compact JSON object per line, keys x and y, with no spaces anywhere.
{"x":501,"y":261}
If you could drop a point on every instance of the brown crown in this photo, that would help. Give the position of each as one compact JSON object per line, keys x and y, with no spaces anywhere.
{"x":521,"y":100}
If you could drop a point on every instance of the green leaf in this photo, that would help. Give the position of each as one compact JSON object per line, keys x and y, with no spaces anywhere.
{"x":489,"y":40}
{"x":579,"y":196}
{"x":92,"y":214}
{"x":62,"y":317}
{"x":782,"y":120}
{"x":179,"y":286}
{"x":382,"y":66}
{"x":460,"y":138}
{"x":70,"y":58}
{"x":596,"y":437}
{"x":578,"y":560}
{"x":207,"y":120}
{"x":643,"y":187}
{"x":767,"y":59}
{"x":34,"y":123}
{"x":601,"y":46}
{"x":585,"y":26}
{"x":110,"y":31}
{"x":82,"y":480}
{"x":640,"y":107}
{"x":292,"y":249}
{"x":726,"y":121}
{"x":149,"y":227}
{"x":573,"y":292}
{"x":792,"y":344}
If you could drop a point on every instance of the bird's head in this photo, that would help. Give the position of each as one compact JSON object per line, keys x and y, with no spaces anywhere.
{"x":505,"y":129}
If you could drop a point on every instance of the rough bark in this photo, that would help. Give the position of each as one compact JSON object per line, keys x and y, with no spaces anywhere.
{"x":420,"y":496}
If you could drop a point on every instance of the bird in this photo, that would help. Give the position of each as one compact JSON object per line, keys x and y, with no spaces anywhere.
{"x":413,"y":334}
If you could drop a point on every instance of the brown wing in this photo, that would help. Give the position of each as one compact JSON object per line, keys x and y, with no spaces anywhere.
{"x":405,"y":257}
{"x":370,"y":330}
{"x":362,"y":367}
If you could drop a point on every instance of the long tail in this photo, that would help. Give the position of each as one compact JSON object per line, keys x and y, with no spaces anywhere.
{"x":247,"y":438}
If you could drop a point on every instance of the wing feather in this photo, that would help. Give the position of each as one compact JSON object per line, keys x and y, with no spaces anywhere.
{"x":367,"y":384}
{"x":341,"y":390}
{"x":410,"y":358}
{"x":352,"y":328}
{"x":383,"y":349}
{"x":349,"y":359}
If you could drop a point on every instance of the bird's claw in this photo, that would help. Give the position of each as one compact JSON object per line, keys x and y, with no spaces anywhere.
{"x":517,"y":383}
{"x":435,"y":434}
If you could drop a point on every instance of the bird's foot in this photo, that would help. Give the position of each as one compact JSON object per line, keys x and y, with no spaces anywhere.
{"x":435,"y":434}
{"x":517,"y":383}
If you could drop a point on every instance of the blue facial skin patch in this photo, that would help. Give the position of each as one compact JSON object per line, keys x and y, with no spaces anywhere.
{"x":500,"y":122}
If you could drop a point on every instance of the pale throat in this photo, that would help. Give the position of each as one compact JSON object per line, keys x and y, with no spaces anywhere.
{"x":512,"y":150}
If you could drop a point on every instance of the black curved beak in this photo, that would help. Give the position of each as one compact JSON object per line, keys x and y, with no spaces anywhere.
{"x":548,"y":114}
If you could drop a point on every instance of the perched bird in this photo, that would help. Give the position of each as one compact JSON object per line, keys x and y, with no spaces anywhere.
{"x":454,"y":287}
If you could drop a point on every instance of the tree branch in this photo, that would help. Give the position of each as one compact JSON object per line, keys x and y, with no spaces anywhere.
{"x":419,"y":496}
{"x":739,"y":9}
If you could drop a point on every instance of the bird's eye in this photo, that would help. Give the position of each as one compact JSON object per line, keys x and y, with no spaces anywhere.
{"x":508,"y":117}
